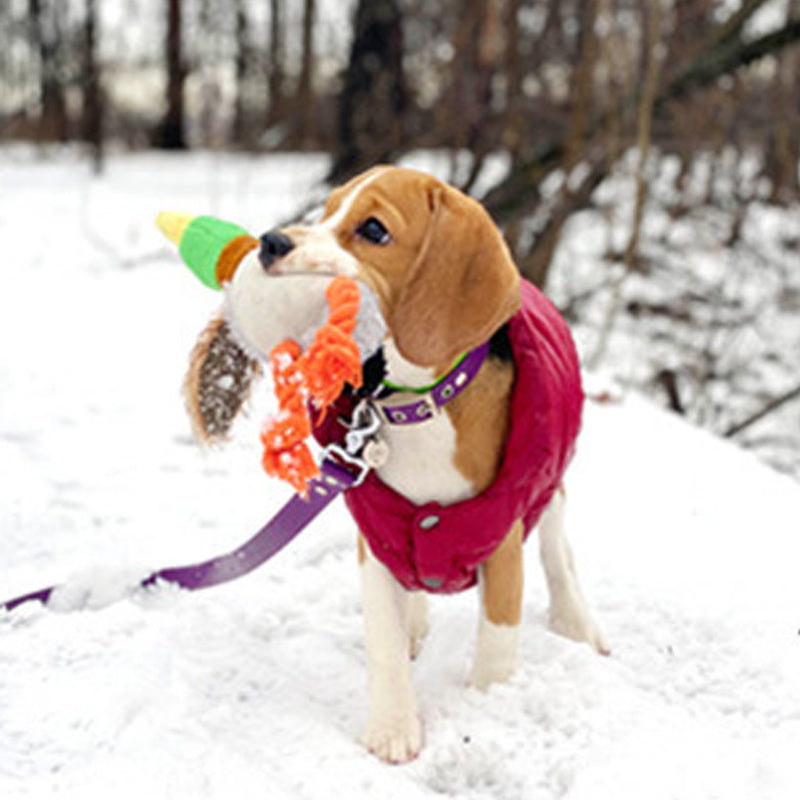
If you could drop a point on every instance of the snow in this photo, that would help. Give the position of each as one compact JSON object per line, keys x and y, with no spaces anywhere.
{"x":688,"y":550}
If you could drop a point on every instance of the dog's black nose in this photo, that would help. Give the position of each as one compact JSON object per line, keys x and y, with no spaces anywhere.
{"x":273,"y":245}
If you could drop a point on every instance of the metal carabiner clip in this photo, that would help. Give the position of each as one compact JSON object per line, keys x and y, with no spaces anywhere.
{"x":364,"y":424}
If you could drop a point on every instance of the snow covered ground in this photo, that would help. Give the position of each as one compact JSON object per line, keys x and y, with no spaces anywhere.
{"x":688,"y":549}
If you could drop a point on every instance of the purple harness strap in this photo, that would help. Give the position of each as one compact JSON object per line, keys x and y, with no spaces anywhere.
{"x":274,"y":536}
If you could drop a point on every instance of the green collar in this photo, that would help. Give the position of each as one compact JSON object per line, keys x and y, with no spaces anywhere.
{"x":424,"y":389}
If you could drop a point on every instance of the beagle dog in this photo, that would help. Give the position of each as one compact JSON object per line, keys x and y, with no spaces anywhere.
{"x":433,"y":517}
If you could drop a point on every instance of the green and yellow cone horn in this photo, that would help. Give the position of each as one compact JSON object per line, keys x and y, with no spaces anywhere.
{"x":212,"y":248}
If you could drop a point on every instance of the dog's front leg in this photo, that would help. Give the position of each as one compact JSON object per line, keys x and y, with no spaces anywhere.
{"x":501,"y":612}
{"x":393,"y":732}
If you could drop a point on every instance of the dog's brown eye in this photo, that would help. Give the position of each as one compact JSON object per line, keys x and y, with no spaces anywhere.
{"x":373,"y":231}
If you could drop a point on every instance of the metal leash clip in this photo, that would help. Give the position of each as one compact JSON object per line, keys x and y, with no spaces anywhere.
{"x":364,"y":426}
{"x":362,"y":449}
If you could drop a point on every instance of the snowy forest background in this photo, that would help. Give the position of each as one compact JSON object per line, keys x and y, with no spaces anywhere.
{"x":641,"y":156}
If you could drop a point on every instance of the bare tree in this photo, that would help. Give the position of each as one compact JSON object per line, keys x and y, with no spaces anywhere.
{"x":575,"y":191}
{"x":374,"y":98}
{"x":92,"y":116}
{"x":276,"y":54}
{"x":304,"y":99}
{"x":517,"y":194}
{"x":45,"y":31}
{"x":170,"y":133}
{"x":241,"y":130}
{"x":651,"y":25}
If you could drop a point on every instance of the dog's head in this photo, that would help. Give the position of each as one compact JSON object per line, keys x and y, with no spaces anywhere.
{"x":432,"y":255}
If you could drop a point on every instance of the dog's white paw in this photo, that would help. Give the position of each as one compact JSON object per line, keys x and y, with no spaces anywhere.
{"x":485,"y":674}
{"x":577,"y":624}
{"x":394,"y":739}
{"x":496,"y":654}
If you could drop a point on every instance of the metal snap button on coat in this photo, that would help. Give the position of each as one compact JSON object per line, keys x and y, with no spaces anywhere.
{"x":432,"y":583}
{"x":431,"y":521}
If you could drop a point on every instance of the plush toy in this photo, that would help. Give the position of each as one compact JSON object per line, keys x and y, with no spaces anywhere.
{"x":315,"y":331}
{"x":210,"y":247}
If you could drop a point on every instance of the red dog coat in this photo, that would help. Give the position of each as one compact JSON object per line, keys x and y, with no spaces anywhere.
{"x":439,"y":548}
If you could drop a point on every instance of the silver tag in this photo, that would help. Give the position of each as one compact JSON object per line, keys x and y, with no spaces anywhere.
{"x":376,"y":453}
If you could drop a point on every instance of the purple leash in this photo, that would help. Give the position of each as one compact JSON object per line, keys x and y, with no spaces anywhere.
{"x":342,"y":468}
{"x":274,"y":536}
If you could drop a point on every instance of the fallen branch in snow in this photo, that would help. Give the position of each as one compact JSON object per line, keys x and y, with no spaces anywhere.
{"x":773,"y":405}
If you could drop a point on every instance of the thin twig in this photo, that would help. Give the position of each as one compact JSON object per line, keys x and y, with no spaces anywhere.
{"x":769,"y":408}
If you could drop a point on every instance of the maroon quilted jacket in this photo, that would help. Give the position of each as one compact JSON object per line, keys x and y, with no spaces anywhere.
{"x":439,"y":548}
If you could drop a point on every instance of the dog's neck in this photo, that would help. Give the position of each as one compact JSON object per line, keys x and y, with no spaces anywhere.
{"x":444,"y":459}
{"x":401,"y":372}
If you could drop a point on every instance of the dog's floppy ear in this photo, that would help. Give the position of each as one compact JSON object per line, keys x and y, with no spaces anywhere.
{"x":462,"y":287}
{"x":218,"y":382}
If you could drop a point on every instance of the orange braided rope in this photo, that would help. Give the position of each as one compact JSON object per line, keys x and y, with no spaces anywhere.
{"x":316,"y":376}
{"x":286,"y":455}
{"x":333,"y":358}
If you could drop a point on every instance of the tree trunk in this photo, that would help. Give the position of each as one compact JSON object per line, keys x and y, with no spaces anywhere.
{"x":481,"y":125}
{"x":45,"y":35}
{"x":170,"y":134}
{"x":514,"y":127}
{"x":275,"y":63}
{"x":535,"y":265}
{"x":651,"y":25}
{"x":304,"y":99}
{"x":374,"y":99}
{"x":92,"y":120}
{"x":240,"y":126}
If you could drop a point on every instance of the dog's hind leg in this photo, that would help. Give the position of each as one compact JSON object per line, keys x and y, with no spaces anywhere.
{"x":569,"y":614}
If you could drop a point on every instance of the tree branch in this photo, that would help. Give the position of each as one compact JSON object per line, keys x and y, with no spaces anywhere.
{"x":514,"y":195}
{"x":773,"y":405}
{"x":727,"y":57}
{"x":733,"y":25}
